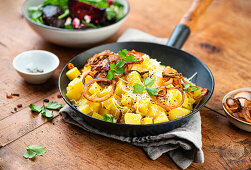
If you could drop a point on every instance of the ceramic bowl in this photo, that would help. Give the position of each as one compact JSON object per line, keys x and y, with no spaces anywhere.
{"x":72,"y":38}
{"x":237,"y":122}
{"x":42,"y":63}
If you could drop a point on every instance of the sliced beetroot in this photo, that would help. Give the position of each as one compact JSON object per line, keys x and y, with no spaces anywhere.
{"x":81,"y":9}
{"x":50,"y":16}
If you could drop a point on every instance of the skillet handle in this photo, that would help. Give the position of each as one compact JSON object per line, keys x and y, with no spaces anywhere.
{"x":188,"y":22}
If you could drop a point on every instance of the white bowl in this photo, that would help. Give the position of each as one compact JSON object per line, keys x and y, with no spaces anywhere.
{"x":73,"y":38}
{"x":36,"y":59}
{"x":237,"y":122}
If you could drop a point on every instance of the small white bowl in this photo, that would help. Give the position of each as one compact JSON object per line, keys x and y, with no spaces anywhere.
{"x":237,"y":122}
{"x":36,"y":59}
{"x":72,"y":38}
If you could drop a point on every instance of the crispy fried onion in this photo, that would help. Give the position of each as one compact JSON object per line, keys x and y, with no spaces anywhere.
{"x":170,"y":107}
{"x":70,"y":66}
{"x":101,"y":99}
{"x":138,"y":55}
{"x":234,"y":106}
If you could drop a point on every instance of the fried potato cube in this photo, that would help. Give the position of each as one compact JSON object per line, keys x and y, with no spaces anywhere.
{"x":88,"y":78}
{"x":73,"y":73}
{"x":161,"y":118}
{"x":133,"y":78}
{"x":131,"y":118}
{"x":143,"y":106}
{"x":177,"y":113}
{"x":155,"y":111}
{"x":147,"y":120}
{"x":94,"y":106}
{"x":74,"y":89}
{"x":97,"y":116}
{"x":84,"y":109}
{"x":105,"y":91}
{"x":95,"y":88}
{"x":103,"y":111}
{"x":109,"y":104}
{"x":86,"y":69}
{"x":120,"y":86}
{"x":126,"y":100}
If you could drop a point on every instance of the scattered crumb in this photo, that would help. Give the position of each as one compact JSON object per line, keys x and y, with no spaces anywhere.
{"x":46,"y":100}
{"x":15,"y":94}
{"x":15,"y":109}
{"x":8,"y":96}
{"x":12,"y":112}
{"x":19,"y":105}
{"x":59,"y":96}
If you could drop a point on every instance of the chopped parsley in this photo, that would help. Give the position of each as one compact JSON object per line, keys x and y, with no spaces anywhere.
{"x":139,"y":88}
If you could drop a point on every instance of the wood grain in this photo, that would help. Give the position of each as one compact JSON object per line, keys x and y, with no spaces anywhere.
{"x":221,"y":39}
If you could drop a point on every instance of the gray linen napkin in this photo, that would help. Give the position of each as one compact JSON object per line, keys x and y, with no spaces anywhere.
{"x":183,"y":144}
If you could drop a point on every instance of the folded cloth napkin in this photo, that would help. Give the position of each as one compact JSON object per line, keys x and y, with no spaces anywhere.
{"x":183,"y":144}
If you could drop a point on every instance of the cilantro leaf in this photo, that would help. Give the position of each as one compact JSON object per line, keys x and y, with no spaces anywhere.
{"x":33,"y":150}
{"x":112,"y":66}
{"x":186,"y":85}
{"x":188,"y":90}
{"x":35,"y":108}
{"x":122,"y":54}
{"x":53,"y":106}
{"x":194,"y":88}
{"x":151,"y":91}
{"x":120,"y":70}
{"x":110,"y":75}
{"x":138,"y":88}
{"x":108,"y":118}
{"x":149,"y":82}
{"x":47,"y":113}
{"x":120,"y":64}
{"x":131,"y":58}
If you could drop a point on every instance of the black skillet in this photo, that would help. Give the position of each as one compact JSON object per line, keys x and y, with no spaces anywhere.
{"x":169,"y":55}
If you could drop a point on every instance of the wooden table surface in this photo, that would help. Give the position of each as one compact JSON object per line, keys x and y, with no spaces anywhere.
{"x":221,"y":40}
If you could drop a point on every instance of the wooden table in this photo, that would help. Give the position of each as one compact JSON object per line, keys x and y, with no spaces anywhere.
{"x":221,"y":40}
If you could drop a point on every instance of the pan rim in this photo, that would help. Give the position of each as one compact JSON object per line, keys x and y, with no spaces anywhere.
{"x":147,"y":125}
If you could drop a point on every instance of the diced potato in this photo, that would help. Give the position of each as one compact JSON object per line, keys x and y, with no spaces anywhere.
{"x":177,"y":113}
{"x":120,"y":87}
{"x":109,"y":104}
{"x":126,"y":100}
{"x":105,"y":91}
{"x":84,"y":108}
{"x":94,"y":106}
{"x":147,"y":120}
{"x":86,"y":69}
{"x":155,"y":111}
{"x":131,"y":118}
{"x":88,"y":78}
{"x":73,"y":73}
{"x":97,"y":116}
{"x":197,"y":93}
{"x":95,"y":88}
{"x":143,"y":105}
{"x":133,"y":78}
{"x":161,"y":118}
{"x":173,"y":98}
{"x":74,"y":89}
{"x":103,"y":111}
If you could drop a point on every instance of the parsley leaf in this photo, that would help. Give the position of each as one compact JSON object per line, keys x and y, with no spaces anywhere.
{"x":122,"y":54}
{"x":194,"y":88}
{"x":112,"y":66}
{"x":120,"y":70}
{"x":120,"y":64}
{"x":131,"y":58}
{"x":47,"y":113}
{"x":35,"y":108}
{"x":33,"y":150}
{"x":149,"y":82}
{"x":110,"y":75}
{"x":53,"y":106}
{"x":151,"y":91}
{"x":138,"y":88}
{"x":108,"y":118}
